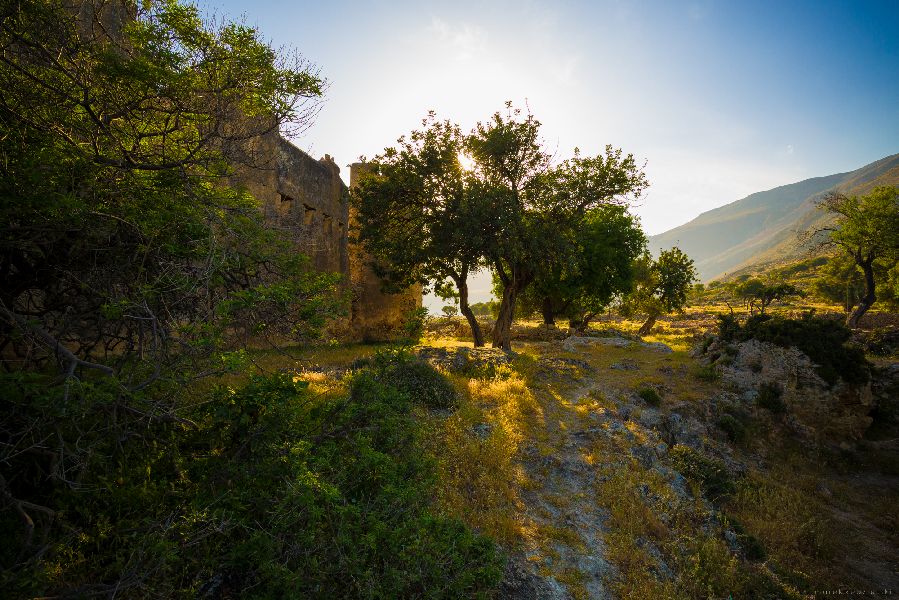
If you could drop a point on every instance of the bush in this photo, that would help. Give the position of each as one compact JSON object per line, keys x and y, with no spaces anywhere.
{"x":824,"y":341}
{"x":650,"y":396}
{"x":705,"y":373}
{"x":770,"y":396}
{"x":414,"y":378}
{"x":735,"y":430}
{"x":709,"y":473}
{"x":275,"y":489}
{"x":728,"y":327}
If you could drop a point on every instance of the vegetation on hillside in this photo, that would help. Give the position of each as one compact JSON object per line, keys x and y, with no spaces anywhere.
{"x":867,"y":230}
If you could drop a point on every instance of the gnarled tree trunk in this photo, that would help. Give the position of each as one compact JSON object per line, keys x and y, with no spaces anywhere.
{"x":867,"y":267}
{"x":476,"y":334}
{"x":647,"y":326}
{"x":512,"y":286}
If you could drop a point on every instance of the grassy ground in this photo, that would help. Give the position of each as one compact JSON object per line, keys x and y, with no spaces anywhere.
{"x":548,"y":456}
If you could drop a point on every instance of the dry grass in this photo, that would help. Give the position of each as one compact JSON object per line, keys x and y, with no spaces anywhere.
{"x":475,"y":449}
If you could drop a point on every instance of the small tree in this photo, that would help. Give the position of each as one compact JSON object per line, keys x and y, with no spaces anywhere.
{"x":449,"y":311}
{"x":597,"y":266}
{"x":421,"y":217}
{"x":757,"y":293}
{"x":866,"y":228}
{"x":661,"y":286}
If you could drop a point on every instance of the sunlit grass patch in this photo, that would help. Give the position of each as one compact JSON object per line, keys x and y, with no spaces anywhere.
{"x":475,"y":450}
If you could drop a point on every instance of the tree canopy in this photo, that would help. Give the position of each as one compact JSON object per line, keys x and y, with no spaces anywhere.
{"x":866,"y":228}
{"x":427,"y":218}
{"x":580,"y":280}
{"x":661,"y":286}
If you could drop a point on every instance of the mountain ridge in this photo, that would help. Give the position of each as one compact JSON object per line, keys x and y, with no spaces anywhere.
{"x":763,"y":226}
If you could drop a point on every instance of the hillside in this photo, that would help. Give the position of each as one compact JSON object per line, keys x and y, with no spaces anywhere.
{"x":762,"y":227}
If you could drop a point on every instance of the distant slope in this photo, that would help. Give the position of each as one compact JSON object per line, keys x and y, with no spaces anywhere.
{"x":762,"y":227}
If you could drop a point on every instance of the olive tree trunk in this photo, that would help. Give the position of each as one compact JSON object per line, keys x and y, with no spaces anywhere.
{"x":647,"y":326}
{"x":502,"y":331}
{"x":476,"y":334}
{"x":867,"y":267}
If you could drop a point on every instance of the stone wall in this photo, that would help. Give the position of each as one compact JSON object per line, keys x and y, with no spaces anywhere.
{"x":376,"y":316}
{"x":313,"y":202}
{"x":308,"y":199}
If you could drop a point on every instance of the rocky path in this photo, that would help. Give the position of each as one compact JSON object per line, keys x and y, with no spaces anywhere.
{"x":588,"y":433}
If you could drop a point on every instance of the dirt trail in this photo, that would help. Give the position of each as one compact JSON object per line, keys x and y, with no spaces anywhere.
{"x":584,"y":408}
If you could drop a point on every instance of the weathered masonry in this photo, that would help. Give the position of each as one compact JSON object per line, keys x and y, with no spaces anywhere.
{"x":308,"y":199}
{"x":303,"y":196}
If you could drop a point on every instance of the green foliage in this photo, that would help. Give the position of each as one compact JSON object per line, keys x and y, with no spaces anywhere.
{"x":728,"y":327}
{"x":116,"y":147}
{"x":485,"y":309}
{"x":866,"y":229}
{"x":756,"y":292}
{"x":414,"y":326}
{"x":580,"y":280}
{"x":709,"y":473}
{"x":824,"y":341}
{"x":770,"y":397}
{"x":416,"y":379}
{"x":733,"y":427}
{"x":661,"y":286}
{"x":650,"y":396}
{"x":274,"y":488}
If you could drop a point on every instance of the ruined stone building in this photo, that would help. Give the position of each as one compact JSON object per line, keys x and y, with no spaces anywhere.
{"x":304,"y":196}
{"x":308,"y":198}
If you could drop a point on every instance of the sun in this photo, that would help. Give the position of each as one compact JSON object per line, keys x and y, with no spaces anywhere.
{"x":466,"y":162}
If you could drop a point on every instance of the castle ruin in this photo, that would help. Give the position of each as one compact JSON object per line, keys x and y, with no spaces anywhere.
{"x":308,"y":199}
{"x":298,"y":194}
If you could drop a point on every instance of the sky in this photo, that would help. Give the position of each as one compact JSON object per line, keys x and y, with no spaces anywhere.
{"x":717,"y":99}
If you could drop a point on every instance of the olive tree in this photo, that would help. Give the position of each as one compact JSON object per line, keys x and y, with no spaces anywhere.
{"x":865,"y":228}
{"x":537,"y":207}
{"x":661,"y":286}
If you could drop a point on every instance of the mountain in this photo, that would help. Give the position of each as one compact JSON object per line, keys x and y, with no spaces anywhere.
{"x":762,"y":227}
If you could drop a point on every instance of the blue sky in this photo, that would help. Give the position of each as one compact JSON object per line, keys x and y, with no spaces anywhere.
{"x":720,"y":99}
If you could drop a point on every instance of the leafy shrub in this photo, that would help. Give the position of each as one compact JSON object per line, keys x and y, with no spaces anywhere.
{"x":770,"y":396}
{"x":728,"y":327}
{"x":416,"y":379}
{"x":414,"y":325}
{"x":735,"y":430}
{"x":650,"y":396}
{"x":824,"y":341}
{"x":709,"y":473}
{"x":273,"y":489}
